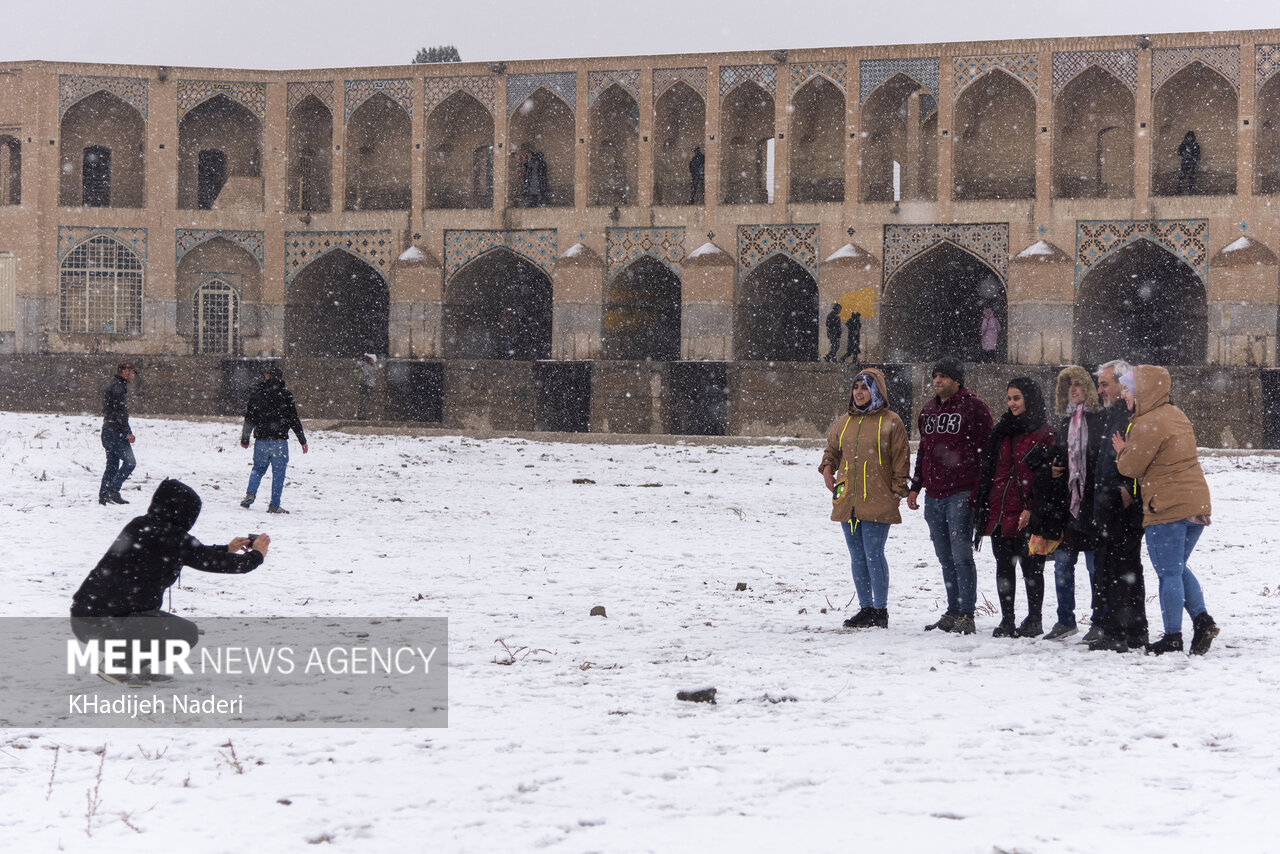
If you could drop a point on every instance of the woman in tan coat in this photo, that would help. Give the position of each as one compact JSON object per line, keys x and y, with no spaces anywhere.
{"x":1160,"y":453}
{"x":865,"y":467}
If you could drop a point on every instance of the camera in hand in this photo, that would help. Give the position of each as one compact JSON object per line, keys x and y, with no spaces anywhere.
{"x":252,"y":538}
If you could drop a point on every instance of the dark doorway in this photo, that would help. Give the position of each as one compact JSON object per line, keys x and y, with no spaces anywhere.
{"x":415,"y":391}
{"x":642,"y":313}
{"x":337,"y":306}
{"x":211,"y":174}
{"x":564,"y":396}
{"x":932,"y":307}
{"x":1271,"y":409}
{"x":698,"y":402}
{"x":96,"y":186}
{"x":776,"y":316}
{"x":1144,"y":305}
{"x":498,"y":307}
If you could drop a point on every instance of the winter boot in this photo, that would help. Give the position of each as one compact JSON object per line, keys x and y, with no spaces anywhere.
{"x":248,"y":500}
{"x":1031,"y":627}
{"x":861,"y":620}
{"x":1059,"y":631}
{"x":1006,"y":629}
{"x":276,"y":508}
{"x":1205,"y":631}
{"x":1094,"y":634}
{"x":963,"y":625}
{"x":945,"y":623}
{"x":1107,"y":643}
{"x":1169,"y":643}
{"x":115,"y":498}
{"x":880,"y":619}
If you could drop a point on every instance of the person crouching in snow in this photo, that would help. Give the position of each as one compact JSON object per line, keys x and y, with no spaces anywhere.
{"x":121,"y":597}
{"x":865,"y":467}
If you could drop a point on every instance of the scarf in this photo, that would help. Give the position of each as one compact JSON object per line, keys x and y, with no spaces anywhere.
{"x":876,"y":400}
{"x":1077,"y":441}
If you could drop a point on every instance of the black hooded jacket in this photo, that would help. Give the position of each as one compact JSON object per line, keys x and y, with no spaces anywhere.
{"x":115,"y":406}
{"x":149,"y":553}
{"x":271,"y":413}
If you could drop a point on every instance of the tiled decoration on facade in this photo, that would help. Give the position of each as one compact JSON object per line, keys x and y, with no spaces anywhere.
{"x":757,"y":242}
{"x":1188,"y":239}
{"x":625,"y":245}
{"x":356,"y":92}
{"x":303,"y":247}
{"x":462,"y":246}
{"x":436,"y":89}
{"x":561,"y":83}
{"x":1069,"y":65}
{"x":71,"y":236}
{"x":1166,"y":62}
{"x":802,"y":73}
{"x":296,"y":93}
{"x":251,"y":96}
{"x":1266,"y":63}
{"x":598,"y":81}
{"x":73,"y":88}
{"x":874,"y":73}
{"x":186,"y":239}
{"x":766,"y":76}
{"x":1022,"y":66}
{"x":665,"y":78}
{"x":987,"y":241}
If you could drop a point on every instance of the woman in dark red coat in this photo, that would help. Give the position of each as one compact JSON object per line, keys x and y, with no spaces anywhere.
{"x":1021,"y":446}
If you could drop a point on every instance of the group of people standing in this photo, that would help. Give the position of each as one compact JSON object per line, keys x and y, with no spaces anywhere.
{"x":1112,"y":462}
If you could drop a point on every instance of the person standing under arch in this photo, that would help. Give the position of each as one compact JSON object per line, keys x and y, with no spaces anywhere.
{"x":1189,"y":157}
{"x":697,"y":176}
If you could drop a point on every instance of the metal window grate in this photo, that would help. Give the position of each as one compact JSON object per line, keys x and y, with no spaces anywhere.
{"x":217,"y":319}
{"x":101,"y":289}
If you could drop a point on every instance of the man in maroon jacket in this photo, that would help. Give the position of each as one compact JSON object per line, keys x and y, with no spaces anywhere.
{"x":953,"y":428}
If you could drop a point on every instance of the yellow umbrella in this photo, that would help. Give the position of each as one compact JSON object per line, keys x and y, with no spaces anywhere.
{"x":862,"y":301}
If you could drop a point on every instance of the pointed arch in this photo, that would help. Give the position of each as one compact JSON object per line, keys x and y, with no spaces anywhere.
{"x":776,"y":313}
{"x":310,"y":155}
{"x":459,"y":143}
{"x":379,"y":140}
{"x":642,"y":313}
{"x":337,"y":305}
{"x":1198,"y":99}
{"x":1266,"y":138}
{"x":1093,"y":118}
{"x":614,"y":152}
{"x":100,"y":288}
{"x":542,"y":126}
{"x":746,"y":125}
{"x":680,"y":126}
{"x":223,"y":257}
{"x":817,"y":141}
{"x":103,"y":153}
{"x":498,"y":306}
{"x":220,"y":157}
{"x":994,"y":147}
{"x":887,"y":138}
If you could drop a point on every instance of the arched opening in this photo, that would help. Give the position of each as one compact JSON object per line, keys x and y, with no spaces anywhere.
{"x":310,"y":156}
{"x":1266,"y":138}
{"x":232,"y":264}
{"x":336,"y":306}
{"x":1200,"y":100}
{"x":460,"y":154}
{"x":932,"y":307}
{"x":817,"y":142}
{"x":103,"y":153}
{"x":100,"y":289}
{"x":1093,"y":138}
{"x":10,"y":171}
{"x":216,"y":312}
{"x":776,"y":316}
{"x":642,"y":313}
{"x":679,"y":127}
{"x":615,"y":148}
{"x":888,"y":140}
{"x":379,"y":141}
{"x":994,"y":142}
{"x":746,"y":126}
{"x":498,"y":307}
{"x":223,"y":125}
{"x":541,"y":127}
{"x":1143,"y":304}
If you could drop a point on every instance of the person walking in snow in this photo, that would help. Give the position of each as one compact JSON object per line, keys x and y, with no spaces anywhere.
{"x":865,"y":468}
{"x":834,"y":329}
{"x":117,"y":435}
{"x":953,"y":427}
{"x":270,"y":415}
{"x":853,"y":337}
{"x":1160,"y":453}
{"x":1020,"y":449}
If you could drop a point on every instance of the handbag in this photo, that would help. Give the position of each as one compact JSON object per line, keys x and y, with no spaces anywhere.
{"x":1039,"y":545}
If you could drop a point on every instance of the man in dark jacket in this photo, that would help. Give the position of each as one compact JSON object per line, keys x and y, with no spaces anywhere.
{"x":1189,"y":163}
{"x":834,"y":328}
{"x":697,"y":176}
{"x":121,"y":597}
{"x":117,"y":435}
{"x":954,"y":428}
{"x":853,"y":343}
{"x":270,"y":416}
{"x":1117,"y":514}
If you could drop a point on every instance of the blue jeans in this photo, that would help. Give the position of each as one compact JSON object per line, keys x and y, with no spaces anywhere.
{"x":950,"y":522}
{"x":274,"y":453}
{"x":1064,"y":579}
{"x":866,"y":555}
{"x":120,"y":461}
{"x":1169,"y":545}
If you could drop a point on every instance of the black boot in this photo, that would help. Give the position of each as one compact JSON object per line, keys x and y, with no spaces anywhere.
{"x":1109,"y":643}
{"x":115,"y":498}
{"x":880,"y":619}
{"x":1169,"y":643}
{"x":945,"y":623}
{"x":861,"y":620}
{"x":1031,"y":627}
{"x":1205,"y":631}
{"x":1006,"y":629}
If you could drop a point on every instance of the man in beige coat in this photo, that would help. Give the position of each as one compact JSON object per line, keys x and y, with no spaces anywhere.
{"x":865,"y":467}
{"x":1160,"y":453}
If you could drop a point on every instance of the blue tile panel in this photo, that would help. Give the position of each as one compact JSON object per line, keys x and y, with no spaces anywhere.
{"x":1188,"y":239}
{"x":303,"y":247}
{"x":986,"y":241}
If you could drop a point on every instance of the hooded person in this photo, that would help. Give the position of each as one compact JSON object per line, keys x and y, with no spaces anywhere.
{"x":122,"y":595}
{"x":1160,"y":453}
{"x":1018,"y":456}
{"x":865,"y":467}
{"x":269,"y":416}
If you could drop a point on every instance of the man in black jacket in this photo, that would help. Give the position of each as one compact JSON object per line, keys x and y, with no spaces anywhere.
{"x":117,"y":435}
{"x":121,"y":597}
{"x":270,"y":416}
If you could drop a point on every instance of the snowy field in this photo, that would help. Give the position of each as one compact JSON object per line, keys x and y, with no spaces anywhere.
{"x":822,"y":739}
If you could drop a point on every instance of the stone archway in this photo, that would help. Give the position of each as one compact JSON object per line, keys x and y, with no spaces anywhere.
{"x":746,"y":124}
{"x":310,"y":163}
{"x":460,"y":154}
{"x":1093,"y":137}
{"x":614,"y":151}
{"x":103,"y":153}
{"x":679,"y":127}
{"x":543,"y":124}
{"x":933,"y":307}
{"x":817,"y":142}
{"x":776,"y":313}
{"x":337,"y":305}
{"x":228,"y":128}
{"x":1144,"y":304}
{"x":1201,"y":100}
{"x":379,"y":147}
{"x":995,"y":143}
{"x":1266,"y":138}
{"x":642,"y":313}
{"x":498,"y":307}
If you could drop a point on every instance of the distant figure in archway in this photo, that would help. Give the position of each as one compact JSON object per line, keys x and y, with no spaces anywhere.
{"x":1189,"y":154}
{"x":833,"y":332}
{"x":854,"y":338}
{"x":697,"y":176}
{"x":990,"y":335}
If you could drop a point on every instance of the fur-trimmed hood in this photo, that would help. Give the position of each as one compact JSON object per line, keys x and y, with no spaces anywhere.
{"x":1061,"y":396}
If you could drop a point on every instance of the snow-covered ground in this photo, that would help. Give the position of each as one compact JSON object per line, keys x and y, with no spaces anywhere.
{"x":822,"y":740}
